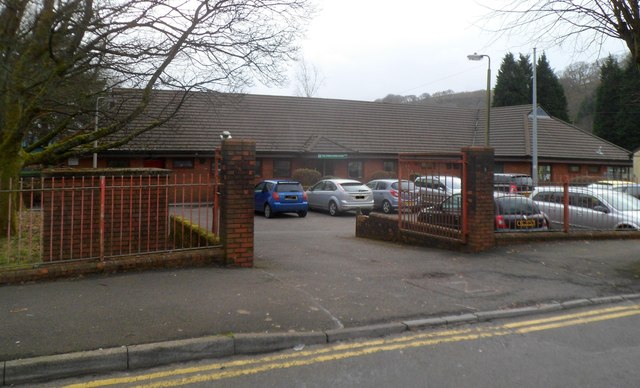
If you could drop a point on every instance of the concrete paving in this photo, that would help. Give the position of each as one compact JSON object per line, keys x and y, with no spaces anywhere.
{"x":313,"y":282}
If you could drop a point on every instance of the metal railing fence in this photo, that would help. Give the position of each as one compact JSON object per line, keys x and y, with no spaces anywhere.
{"x":78,"y":218}
{"x":439,"y":205}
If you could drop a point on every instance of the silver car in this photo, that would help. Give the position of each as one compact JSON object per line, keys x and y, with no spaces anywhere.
{"x":340,"y":195}
{"x":435,"y":188}
{"x":386,"y":194}
{"x":589,"y":208}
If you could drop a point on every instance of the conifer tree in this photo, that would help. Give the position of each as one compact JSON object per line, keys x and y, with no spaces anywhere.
{"x":550,"y":92}
{"x":511,"y":85}
{"x":607,"y":103}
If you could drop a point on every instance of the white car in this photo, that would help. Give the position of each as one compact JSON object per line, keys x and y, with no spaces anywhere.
{"x":340,"y":195}
{"x":589,"y":208}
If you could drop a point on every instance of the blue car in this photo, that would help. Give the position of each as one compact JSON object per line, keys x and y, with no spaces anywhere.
{"x":277,"y":196}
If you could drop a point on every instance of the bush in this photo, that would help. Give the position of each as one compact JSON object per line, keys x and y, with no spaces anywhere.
{"x":383,"y":175}
{"x":584,"y":180}
{"x":306,"y":176}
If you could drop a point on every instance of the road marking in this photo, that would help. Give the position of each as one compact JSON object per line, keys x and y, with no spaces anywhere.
{"x":225,"y":370}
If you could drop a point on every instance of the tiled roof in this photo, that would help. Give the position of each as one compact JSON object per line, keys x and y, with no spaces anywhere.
{"x":315,"y":125}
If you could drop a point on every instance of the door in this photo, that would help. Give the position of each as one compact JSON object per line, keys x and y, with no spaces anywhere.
{"x":259,"y":196}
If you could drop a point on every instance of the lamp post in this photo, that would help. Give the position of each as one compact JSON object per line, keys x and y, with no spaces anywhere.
{"x":95,"y":142}
{"x":478,"y":57}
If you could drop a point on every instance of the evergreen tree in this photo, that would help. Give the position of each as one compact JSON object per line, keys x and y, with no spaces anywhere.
{"x":550,"y":92}
{"x":607,"y":103}
{"x":628,"y":116}
{"x":511,"y":85}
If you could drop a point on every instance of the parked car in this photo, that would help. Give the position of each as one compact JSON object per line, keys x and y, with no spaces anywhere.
{"x":631,"y":189}
{"x":387,"y":191}
{"x":513,"y":183}
{"x":435,"y":188}
{"x":340,"y":195}
{"x":589,"y":208}
{"x":513,"y":213}
{"x":280,"y":196}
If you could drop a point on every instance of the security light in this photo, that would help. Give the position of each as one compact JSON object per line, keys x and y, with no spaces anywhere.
{"x":225,"y":135}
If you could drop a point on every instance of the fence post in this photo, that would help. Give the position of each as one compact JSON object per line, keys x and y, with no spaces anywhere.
{"x":103,"y":187}
{"x":480,"y":203}
{"x":565,"y":202}
{"x":236,"y":213}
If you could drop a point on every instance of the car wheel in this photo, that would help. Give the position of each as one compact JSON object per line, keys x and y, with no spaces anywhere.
{"x":267,"y":211}
{"x":333,"y":208}
{"x":386,"y":207}
{"x":302,"y":214}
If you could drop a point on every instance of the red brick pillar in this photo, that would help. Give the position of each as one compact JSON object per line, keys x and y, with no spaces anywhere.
{"x":236,"y":208}
{"x":480,"y":205}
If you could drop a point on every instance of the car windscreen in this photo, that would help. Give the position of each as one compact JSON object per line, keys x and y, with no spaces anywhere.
{"x":621,"y":201}
{"x":515,"y":205}
{"x":354,"y":187}
{"x":288,"y":187}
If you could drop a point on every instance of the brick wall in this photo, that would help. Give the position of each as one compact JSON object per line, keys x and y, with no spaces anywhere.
{"x":236,"y":218}
{"x":480,"y":206}
{"x":134,"y":218}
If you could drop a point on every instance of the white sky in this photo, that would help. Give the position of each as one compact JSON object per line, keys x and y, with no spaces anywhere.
{"x":366,"y":49}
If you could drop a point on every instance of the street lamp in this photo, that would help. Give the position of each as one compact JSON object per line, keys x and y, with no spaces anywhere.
{"x":95,"y":142}
{"x":478,"y":57}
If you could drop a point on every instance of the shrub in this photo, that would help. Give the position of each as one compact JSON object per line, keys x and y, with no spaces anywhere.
{"x":584,"y":180}
{"x":383,"y":175}
{"x":306,"y":176}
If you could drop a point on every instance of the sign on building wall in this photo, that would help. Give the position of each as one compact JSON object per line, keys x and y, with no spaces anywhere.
{"x":332,"y":156}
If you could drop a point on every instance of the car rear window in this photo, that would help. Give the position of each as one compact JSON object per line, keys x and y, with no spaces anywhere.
{"x":288,"y":187}
{"x":354,"y":187}
{"x":516,"y":205}
{"x":523,"y":181}
{"x":405,"y":186}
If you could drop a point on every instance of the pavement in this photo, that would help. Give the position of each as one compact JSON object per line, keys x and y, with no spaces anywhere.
{"x":314,"y":282}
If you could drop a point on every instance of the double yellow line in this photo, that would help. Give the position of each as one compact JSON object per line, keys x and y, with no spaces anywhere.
{"x":231,"y":369}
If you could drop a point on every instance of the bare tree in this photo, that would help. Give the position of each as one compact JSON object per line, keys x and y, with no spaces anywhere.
{"x":309,"y":79}
{"x":588,"y":22}
{"x":58,"y":59}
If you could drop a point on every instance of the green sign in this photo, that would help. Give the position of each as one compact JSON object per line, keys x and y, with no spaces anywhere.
{"x":332,"y":156}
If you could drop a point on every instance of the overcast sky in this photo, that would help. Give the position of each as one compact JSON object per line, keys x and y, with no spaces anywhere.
{"x":366,"y":49}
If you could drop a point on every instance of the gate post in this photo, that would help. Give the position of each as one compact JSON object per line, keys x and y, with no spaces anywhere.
{"x":480,"y":205}
{"x":236,"y":213}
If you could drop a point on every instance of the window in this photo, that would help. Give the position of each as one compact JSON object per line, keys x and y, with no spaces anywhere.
{"x":355,"y":169}
{"x":618,"y":172}
{"x":258,"y":170}
{"x":390,"y":165}
{"x":594,"y":169}
{"x":574,"y":168}
{"x":281,"y":168}
{"x":544,"y":173}
{"x":182,"y":163}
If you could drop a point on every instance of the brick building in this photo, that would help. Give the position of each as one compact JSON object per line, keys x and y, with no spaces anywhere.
{"x":354,"y":138}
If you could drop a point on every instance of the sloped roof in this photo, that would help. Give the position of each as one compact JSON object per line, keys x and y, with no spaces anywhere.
{"x":315,"y":125}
